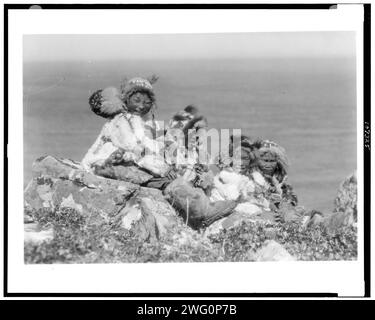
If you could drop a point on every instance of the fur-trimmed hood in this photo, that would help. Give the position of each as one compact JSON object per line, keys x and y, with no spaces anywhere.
{"x":109,"y":102}
{"x":280,"y":153}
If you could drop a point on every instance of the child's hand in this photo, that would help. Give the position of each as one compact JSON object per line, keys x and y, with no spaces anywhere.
{"x":129,"y":157}
{"x":115,"y":158}
{"x":200,"y":169}
{"x":171,"y":174}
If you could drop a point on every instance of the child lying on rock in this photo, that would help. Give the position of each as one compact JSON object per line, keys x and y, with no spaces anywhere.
{"x":189,"y":192}
{"x":176,"y":153}
{"x":130,"y":137}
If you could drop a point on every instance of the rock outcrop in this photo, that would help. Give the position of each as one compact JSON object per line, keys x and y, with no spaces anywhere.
{"x":144,"y":212}
{"x":272,"y":251}
{"x":148,"y":215}
{"x":345,"y":208}
{"x":346,"y":199}
{"x":34,"y":234}
{"x":237,"y":217}
{"x":62,"y":183}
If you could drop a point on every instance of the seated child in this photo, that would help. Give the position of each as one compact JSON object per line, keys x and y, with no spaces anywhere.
{"x":129,"y":138}
{"x":259,"y":179}
{"x":269,"y":171}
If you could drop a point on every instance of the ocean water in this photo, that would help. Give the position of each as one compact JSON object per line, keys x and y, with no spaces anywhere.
{"x":306,"y":105}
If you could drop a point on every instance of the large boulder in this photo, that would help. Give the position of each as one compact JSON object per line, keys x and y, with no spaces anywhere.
{"x":346,"y":199}
{"x":272,"y":251}
{"x":149,"y":215}
{"x":34,"y":234}
{"x":345,"y":208}
{"x":247,"y":212}
{"x":62,"y":183}
{"x":131,"y":174}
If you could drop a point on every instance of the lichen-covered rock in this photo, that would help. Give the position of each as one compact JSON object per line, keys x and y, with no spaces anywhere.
{"x":337,"y":220}
{"x":345,"y":210}
{"x":333,"y":222}
{"x":255,"y":214}
{"x":131,"y":174}
{"x":34,"y":234}
{"x":346,"y":199}
{"x":139,"y":221}
{"x":272,"y":251}
{"x":149,"y":215}
{"x":248,"y":208}
{"x":79,"y":217}
{"x":63,"y":183}
{"x":54,"y":167}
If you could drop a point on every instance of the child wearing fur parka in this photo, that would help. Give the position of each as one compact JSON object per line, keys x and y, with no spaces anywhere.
{"x":131,"y":137}
{"x":259,"y":178}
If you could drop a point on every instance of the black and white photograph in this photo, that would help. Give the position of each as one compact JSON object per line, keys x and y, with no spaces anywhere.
{"x":106,"y":179}
{"x":205,"y":148}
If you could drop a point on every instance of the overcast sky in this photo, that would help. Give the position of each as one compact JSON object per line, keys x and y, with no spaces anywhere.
{"x":177,"y":46}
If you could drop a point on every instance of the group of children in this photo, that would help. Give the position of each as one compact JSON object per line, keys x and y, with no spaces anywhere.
{"x":133,"y":146}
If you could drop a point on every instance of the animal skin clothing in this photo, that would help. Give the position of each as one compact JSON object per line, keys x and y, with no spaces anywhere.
{"x":136,"y":136}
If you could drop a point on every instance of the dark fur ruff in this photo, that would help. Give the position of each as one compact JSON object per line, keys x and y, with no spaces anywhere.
{"x":96,"y":106}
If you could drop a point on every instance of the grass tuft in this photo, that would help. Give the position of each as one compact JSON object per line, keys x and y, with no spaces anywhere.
{"x":76,"y":240}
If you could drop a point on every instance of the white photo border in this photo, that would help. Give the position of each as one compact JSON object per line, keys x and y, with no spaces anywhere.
{"x":346,"y":278}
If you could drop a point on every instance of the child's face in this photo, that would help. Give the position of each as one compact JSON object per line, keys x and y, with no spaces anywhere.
{"x":245,"y":160}
{"x":139,"y":103}
{"x":267,"y":163}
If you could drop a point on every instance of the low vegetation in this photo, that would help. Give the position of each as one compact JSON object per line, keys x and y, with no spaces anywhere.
{"x":77,"y":241}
